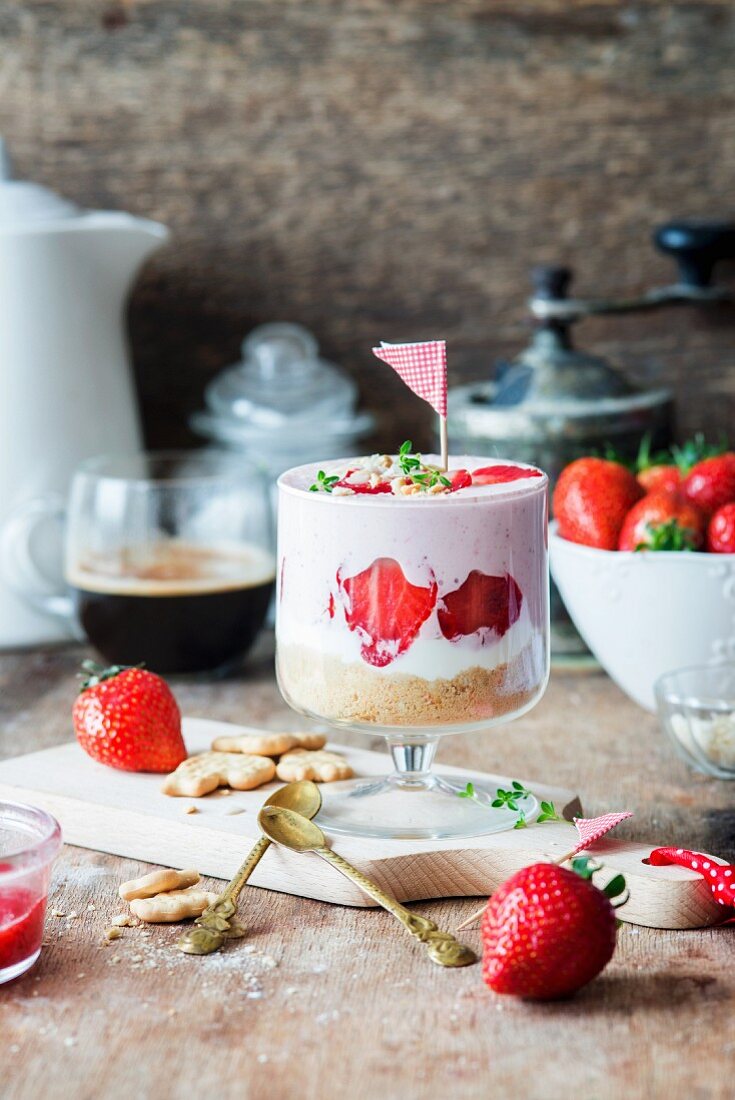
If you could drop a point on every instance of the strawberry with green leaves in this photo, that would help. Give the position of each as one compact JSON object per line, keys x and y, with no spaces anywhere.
{"x":547,"y":931}
{"x":662,"y":521}
{"x":128,"y":718}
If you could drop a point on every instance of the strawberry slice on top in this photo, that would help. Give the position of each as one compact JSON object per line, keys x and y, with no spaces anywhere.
{"x":483,"y":604}
{"x":497,"y":475}
{"x":385,"y":609}
{"x":361,"y":486}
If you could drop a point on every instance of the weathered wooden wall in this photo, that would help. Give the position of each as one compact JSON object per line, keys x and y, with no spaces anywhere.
{"x":384,"y":170}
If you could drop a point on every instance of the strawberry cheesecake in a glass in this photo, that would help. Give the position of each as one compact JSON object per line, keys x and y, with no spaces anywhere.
{"x":413,"y":603}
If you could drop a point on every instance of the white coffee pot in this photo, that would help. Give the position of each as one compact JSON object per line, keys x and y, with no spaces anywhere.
{"x":66,"y":388}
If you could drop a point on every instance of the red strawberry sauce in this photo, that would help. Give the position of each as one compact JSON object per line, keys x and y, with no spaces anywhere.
{"x":21,"y":924}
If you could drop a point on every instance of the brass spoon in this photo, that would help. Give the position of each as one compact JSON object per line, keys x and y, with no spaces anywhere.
{"x":210,"y":930}
{"x":294,"y":831}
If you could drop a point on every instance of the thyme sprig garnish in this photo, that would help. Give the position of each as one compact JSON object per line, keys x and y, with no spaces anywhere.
{"x":509,"y":800}
{"x":324,"y":482}
{"x":412,"y":465}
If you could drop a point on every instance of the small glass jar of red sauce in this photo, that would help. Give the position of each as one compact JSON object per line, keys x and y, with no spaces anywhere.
{"x":30,"y":840}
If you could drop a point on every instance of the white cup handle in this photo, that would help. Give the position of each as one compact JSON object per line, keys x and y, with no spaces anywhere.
{"x":18,"y":568}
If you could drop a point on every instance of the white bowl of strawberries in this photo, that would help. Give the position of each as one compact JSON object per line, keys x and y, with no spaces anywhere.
{"x":645,"y":563}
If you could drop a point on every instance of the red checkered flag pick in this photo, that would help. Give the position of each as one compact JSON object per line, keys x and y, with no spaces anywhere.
{"x":592,"y":829}
{"x":423,"y":367}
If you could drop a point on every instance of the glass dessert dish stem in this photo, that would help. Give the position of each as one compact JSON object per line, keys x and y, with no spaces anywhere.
{"x":413,"y":762}
{"x":416,"y":803}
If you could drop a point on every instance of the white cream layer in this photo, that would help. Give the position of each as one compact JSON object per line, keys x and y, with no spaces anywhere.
{"x":430,"y":657}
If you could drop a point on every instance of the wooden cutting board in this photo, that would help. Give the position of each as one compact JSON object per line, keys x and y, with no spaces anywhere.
{"x":125,"y":814}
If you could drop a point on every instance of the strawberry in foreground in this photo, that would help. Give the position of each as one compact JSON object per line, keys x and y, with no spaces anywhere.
{"x":548,"y":931}
{"x":721,"y":531}
{"x":662,"y":521}
{"x":591,"y":500}
{"x":128,"y":718}
{"x":385,"y":609}
{"x":711,"y":482}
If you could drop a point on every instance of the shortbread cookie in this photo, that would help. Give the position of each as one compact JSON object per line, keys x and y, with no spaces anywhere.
{"x":204,"y":773}
{"x":157,"y":882}
{"x":256,"y":742}
{"x":320,"y":767}
{"x":173,"y":906}
{"x":264,"y":743}
{"x":309,"y":740}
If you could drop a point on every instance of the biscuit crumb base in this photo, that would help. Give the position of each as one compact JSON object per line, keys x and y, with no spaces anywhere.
{"x":357,"y":693}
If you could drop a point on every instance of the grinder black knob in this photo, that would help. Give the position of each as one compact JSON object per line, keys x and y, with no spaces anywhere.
{"x":696,"y":246}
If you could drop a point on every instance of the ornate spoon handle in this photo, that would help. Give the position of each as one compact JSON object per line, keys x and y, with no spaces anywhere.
{"x":442,"y":947}
{"x":209,"y":931}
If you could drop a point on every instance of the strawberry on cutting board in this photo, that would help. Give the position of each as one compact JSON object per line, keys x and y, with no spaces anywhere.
{"x":662,"y":521}
{"x":546,"y":932}
{"x":711,"y":482}
{"x":128,"y":718}
{"x":591,"y":500}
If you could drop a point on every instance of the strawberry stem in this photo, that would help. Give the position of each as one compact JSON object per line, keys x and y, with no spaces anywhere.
{"x":94,"y":674}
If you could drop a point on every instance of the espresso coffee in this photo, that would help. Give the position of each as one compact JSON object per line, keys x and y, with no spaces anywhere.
{"x":174,"y":607}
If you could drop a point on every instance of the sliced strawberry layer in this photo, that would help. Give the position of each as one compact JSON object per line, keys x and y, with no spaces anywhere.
{"x":459,"y":479}
{"x":482,"y":603}
{"x":496,"y":475}
{"x":385,"y":610}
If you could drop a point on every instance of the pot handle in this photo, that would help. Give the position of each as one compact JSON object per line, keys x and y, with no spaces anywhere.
{"x":18,"y":566}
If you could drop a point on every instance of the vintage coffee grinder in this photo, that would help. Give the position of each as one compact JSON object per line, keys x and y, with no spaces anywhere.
{"x":554,"y":402}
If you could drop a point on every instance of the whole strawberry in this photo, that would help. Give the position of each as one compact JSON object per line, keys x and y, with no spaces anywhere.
{"x":711,"y":482}
{"x":662,"y":521}
{"x":667,"y":477}
{"x":591,"y":500}
{"x":546,"y":932}
{"x":128,"y":718}
{"x":721,"y":530}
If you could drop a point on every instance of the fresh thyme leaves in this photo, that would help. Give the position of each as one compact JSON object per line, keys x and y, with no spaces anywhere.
{"x":411,"y":465}
{"x":548,"y":813}
{"x":509,"y":799}
{"x":324,"y":483}
{"x":407,"y":460}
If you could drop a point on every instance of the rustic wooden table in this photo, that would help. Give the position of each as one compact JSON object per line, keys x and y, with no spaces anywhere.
{"x":330,"y":1002}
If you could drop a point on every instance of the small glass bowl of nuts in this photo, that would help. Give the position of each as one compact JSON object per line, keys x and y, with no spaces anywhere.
{"x":697,"y":710}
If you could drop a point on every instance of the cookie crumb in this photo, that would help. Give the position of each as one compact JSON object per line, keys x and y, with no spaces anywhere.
{"x":122,"y":920}
{"x":191,"y":810}
{"x":112,"y":934}
{"x":57,"y":913}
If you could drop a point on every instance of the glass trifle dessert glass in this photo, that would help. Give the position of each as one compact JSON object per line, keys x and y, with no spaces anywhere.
{"x":413,"y":604}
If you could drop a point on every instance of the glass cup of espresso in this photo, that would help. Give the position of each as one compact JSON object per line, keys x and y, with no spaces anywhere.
{"x":168,"y":559}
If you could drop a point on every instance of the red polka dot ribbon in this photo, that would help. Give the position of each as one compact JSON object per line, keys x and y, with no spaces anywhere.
{"x":720,"y":877}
